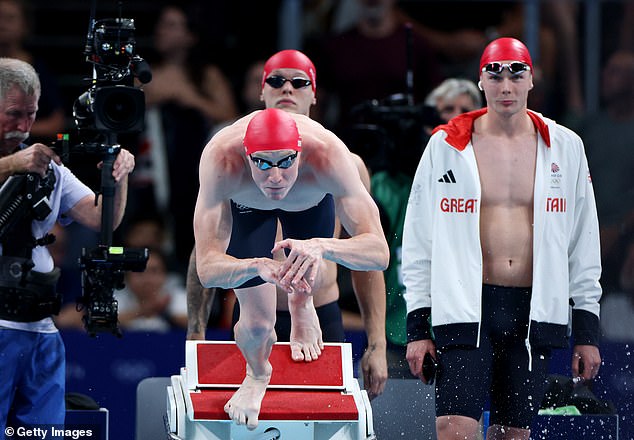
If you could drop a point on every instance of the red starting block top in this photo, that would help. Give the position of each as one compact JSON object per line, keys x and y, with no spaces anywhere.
{"x":280,"y":405}
{"x":222,"y":365}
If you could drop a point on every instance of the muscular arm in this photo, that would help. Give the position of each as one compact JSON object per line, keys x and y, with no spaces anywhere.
{"x":359,"y":216}
{"x":366,"y":249}
{"x":212,"y":229}
{"x":199,"y":302}
{"x":369,"y":289}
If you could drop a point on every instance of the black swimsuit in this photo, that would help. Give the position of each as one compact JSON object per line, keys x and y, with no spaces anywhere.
{"x":253,"y":233}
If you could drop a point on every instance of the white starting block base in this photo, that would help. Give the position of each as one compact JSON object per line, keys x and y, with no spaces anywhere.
{"x":317,"y":400}
{"x":273,"y":430}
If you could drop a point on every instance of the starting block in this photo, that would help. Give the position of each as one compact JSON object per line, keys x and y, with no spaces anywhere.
{"x":319,"y":400}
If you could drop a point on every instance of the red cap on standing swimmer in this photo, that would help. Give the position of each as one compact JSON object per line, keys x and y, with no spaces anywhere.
{"x":272,"y":129}
{"x":503,"y":49}
{"x":291,"y":59}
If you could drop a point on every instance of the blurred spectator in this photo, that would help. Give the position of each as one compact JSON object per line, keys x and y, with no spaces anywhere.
{"x":609,"y":140}
{"x":561,"y":17}
{"x":455,"y":45}
{"x":371,"y":62}
{"x":452,"y":97}
{"x":148,"y":231}
{"x":15,"y":27}
{"x":323,"y":18}
{"x":252,"y":88}
{"x":149,"y":302}
{"x":187,"y":100}
{"x":181,"y":74}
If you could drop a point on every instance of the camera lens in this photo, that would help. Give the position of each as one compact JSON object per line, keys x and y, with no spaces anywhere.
{"x":120,"y":109}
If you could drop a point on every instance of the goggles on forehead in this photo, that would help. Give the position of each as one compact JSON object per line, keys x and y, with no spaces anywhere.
{"x":283,"y":163}
{"x":515,"y":68}
{"x":277,"y":82}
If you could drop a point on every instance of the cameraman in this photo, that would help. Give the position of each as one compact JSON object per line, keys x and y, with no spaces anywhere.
{"x":31,"y":350}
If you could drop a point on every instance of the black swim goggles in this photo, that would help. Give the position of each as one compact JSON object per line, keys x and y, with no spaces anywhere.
{"x":515,"y":68}
{"x":283,"y":163}
{"x":277,"y":82}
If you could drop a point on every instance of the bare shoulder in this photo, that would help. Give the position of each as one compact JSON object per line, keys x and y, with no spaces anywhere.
{"x":363,"y":170}
{"x":237,"y":128}
{"x":326,"y":155}
{"x":223,"y":156}
{"x":360,"y":164}
{"x":318,"y":140}
{"x":228,"y":140}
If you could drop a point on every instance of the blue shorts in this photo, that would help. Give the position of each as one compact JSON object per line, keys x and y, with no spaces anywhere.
{"x":330,"y":322}
{"x":499,"y":368}
{"x":32,"y":379}
{"x":254,"y":230}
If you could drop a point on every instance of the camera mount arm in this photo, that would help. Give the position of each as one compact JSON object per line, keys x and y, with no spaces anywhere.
{"x":108,"y":188}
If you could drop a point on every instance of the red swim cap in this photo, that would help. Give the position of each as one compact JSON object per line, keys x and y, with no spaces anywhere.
{"x":504,"y":49}
{"x":272,"y":129}
{"x":291,"y":59}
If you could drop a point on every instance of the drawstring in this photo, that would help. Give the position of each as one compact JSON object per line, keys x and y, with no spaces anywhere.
{"x":527,"y":341}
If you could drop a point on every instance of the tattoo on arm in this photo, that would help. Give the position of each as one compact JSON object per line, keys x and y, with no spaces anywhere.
{"x":199,"y":299}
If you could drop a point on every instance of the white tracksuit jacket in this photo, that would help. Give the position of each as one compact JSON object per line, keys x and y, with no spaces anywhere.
{"x":442,"y":257}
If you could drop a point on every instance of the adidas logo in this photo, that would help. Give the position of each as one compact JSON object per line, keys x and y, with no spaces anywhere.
{"x":448,"y":177}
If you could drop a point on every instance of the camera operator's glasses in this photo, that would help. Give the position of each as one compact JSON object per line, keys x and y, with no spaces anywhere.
{"x":264,"y":164}
{"x":515,"y":68}
{"x":277,"y":82}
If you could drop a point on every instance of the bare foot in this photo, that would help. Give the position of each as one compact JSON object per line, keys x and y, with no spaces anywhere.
{"x":306,"y":341}
{"x":244,"y":406}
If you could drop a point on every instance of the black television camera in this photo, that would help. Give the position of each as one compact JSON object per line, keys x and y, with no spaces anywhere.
{"x":112,"y":104}
{"x":110,"y":107}
{"x":390,"y":135}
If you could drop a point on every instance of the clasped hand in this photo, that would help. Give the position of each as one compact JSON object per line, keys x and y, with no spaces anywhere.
{"x":298,"y":271}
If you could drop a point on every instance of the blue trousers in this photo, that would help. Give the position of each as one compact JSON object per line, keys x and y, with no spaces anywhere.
{"x":32,"y":379}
